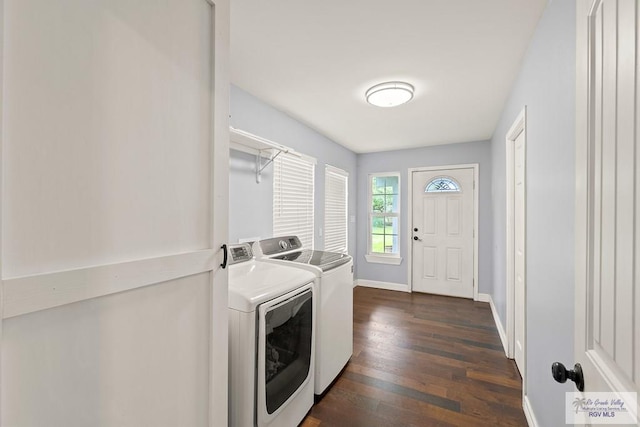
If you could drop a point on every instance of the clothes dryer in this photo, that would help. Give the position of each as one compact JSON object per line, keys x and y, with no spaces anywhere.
{"x":271,"y":341}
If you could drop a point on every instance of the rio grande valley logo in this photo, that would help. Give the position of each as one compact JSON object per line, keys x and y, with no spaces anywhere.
{"x":601,"y":408}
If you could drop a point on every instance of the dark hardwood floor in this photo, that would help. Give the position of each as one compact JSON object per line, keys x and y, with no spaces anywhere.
{"x":422,"y":360}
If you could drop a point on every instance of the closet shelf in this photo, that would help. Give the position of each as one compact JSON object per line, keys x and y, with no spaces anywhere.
{"x":253,"y":144}
{"x":263,"y":148}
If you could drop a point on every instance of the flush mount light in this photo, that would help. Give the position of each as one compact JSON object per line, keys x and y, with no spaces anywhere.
{"x":390,"y":94}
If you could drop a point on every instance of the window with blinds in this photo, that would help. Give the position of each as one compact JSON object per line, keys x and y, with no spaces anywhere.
{"x":335,"y":209}
{"x":293,"y":187}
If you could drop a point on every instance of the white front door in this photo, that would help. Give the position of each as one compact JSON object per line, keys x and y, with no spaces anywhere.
{"x":443,"y":222}
{"x":607,"y":324}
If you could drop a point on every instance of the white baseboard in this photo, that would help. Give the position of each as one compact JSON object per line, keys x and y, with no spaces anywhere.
{"x":528,"y":412}
{"x":484,"y":298}
{"x":383,"y":285}
{"x":496,"y":319}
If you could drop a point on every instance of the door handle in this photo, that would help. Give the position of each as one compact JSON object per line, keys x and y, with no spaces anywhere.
{"x":561,"y":374}
{"x":416,"y":238}
{"x":224,"y":256}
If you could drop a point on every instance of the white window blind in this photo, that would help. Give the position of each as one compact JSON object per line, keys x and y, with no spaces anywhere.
{"x":335,"y":209}
{"x":293,"y":186}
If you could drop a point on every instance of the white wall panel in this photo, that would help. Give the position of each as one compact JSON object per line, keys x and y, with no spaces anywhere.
{"x":454,"y":264}
{"x":107,"y":124}
{"x":454,"y":216}
{"x":136,"y":358}
{"x":430,"y":262}
{"x":430,"y":216}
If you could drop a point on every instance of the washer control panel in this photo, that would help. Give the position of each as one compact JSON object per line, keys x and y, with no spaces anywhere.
{"x":277,"y":245}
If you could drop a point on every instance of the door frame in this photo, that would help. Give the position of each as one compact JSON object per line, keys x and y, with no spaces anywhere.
{"x":476,"y":204}
{"x":518,"y":126}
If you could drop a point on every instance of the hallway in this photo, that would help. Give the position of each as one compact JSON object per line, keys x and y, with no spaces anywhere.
{"x":422,"y":360}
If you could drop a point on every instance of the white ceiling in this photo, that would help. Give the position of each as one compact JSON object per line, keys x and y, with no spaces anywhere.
{"x":314,"y":60}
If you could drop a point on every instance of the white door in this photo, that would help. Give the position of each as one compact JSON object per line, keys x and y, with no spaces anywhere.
{"x":607,"y":325}
{"x":443,"y":221}
{"x":114,"y":209}
{"x":519,"y":250}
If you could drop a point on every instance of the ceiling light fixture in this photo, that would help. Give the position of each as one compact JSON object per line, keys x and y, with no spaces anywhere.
{"x":390,"y":94}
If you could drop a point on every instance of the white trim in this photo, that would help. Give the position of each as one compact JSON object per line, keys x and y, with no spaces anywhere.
{"x":39,"y":292}
{"x":381,"y":259}
{"x":383,"y":285}
{"x":336,"y":170}
{"x":528,"y":412}
{"x":476,"y":215}
{"x":483,"y":298}
{"x":2,"y":165}
{"x":496,"y":319}
{"x":584,"y":174}
{"x":518,"y":126}
{"x":219,"y":230}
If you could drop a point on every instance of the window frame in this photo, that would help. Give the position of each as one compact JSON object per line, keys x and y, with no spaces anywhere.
{"x":282,"y":157}
{"x":380,"y":257}
{"x":330,"y":170}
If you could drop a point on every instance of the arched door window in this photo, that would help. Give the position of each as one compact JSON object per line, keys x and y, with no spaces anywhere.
{"x":442,"y":184}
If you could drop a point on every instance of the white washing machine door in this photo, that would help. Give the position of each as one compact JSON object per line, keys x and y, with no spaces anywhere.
{"x":285,"y":352}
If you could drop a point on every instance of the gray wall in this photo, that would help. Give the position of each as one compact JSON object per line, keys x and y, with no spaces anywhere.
{"x":250,"y":204}
{"x":546,"y":85}
{"x":401,"y":161}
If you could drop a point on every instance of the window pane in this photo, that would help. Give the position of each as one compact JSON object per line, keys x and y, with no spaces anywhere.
{"x":442,"y":185}
{"x":391,"y":244}
{"x":378,"y":185}
{"x":391,"y":185}
{"x":391,"y":203}
{"x":378,"y":203}
{"x":390,"y":225}
{"x":377,"y":243}
{"x":378,"y":225}
{"x":384,"y":235}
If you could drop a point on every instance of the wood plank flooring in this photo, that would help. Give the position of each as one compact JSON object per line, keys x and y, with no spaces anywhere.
{"x":422,"y":360}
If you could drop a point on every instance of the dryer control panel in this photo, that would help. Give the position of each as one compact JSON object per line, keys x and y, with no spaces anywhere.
{"x":240,"y":253}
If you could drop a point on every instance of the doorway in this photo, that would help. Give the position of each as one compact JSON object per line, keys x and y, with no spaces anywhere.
{"x":444,"y":217}
{"x":516,"y":240}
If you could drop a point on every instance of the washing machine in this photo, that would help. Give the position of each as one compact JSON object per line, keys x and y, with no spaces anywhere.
{"x":272,"y":319}
{"x":334,"y":289}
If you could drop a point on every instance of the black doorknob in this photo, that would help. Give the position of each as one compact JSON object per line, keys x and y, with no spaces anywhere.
{"x":561,"y":374}
{"x":415,"y":237}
